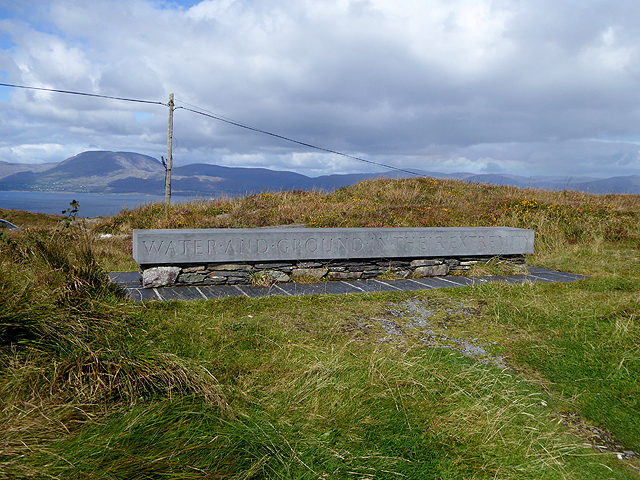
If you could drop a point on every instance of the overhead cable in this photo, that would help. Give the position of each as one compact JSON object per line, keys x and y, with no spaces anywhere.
{"x":315,"y":147}
{"x":81,"y":93}
{"x":204,"y":113}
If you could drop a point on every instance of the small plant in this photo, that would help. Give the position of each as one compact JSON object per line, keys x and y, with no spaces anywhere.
{"x":70,"y":214}
{"x":389,"y":274}
{"x":261,"y":279}
{"x":4,"y":238}
{"x":495,"y":267}
{"x":308,"y":279}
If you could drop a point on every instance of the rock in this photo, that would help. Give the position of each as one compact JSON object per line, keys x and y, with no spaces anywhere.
{"x":215,"y":280}
{"x":424,"y":263}
{"x":160,"y":276}
{"x":309,"y":265}
{"x":370,"y":274}
{"x":364,"y":267}
{"x":191,"y":278}
{"x":270,"y":266}
{"x":433,"y":271}
{"x":345,"y":275}
{"x":309,"y":272}
{"x":402,"y":273}
{"x":231,"y":267}
{"x":393,"y":263}
{"x":337,"y":269}
{"x":237,"y":280}
{"x":224,"y":273}
{"x":199,"y":268}
{"x":277,"y":276}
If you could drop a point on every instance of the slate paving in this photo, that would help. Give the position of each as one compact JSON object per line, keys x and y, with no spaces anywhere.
{"x":130,"y":281}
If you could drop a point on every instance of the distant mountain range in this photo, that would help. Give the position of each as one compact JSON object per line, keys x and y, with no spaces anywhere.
{"x":126,"y":172}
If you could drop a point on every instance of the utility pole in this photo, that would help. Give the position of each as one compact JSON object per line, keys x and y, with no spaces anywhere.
{"x":167,"y":182}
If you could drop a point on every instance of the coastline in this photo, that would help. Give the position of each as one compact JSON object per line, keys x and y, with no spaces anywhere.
{"x":91,"y":204}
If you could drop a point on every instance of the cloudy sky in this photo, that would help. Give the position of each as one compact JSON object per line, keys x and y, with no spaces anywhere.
{"x":529,"y":87}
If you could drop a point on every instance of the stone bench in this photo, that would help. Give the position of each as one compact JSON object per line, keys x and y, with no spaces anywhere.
{"x":231,"y":256}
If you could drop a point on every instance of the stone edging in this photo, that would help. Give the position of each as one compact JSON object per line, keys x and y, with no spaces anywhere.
{"x":266,"y":273}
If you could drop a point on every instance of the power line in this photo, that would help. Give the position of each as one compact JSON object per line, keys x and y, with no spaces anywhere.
{"x":220,"y":118}
{"x":309,"y":145}
{"x":81,"y":93}
{"x":204,"y":110}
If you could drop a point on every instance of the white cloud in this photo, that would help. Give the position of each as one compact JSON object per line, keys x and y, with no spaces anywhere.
{"x":39,"y":153}
{"x":608,"y":55}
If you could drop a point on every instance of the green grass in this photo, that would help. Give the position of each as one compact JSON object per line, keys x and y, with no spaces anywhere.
{"x":306,"y":394}
{"x":356,"y":386}
{"x":587,"y":347}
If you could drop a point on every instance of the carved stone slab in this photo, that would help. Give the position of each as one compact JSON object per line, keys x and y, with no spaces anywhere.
{"x":197,"y":246}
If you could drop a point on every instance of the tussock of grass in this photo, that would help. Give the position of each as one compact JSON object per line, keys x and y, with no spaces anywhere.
{"x":67,"y":342}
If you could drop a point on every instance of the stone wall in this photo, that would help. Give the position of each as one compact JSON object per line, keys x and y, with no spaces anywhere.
{"x":265,"y":273}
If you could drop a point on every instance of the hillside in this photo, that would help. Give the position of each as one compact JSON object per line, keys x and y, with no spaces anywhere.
{"x":7,"y":168}
{"x":86,"y":172}
{"x":127,"y":172}
{"x":339,"y":386}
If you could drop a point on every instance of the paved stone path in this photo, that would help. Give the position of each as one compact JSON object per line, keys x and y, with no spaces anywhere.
{"x":131,"y":282}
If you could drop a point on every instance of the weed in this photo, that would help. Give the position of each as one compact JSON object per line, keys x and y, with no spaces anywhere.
{"x":70,"y":214}
{"x":495,"y":267}
{"x":389,"y":274}
{"x":68,"y":344}
{"x":261,"y":279}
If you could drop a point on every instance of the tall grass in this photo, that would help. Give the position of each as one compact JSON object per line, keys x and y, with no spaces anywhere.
{"x":559,"y":218}
{"x":68,"y":341}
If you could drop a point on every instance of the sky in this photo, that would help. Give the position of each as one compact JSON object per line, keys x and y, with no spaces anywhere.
{"x":525,"y":87}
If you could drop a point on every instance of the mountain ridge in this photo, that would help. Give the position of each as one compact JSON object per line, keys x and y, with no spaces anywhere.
{"x":130,"y":172}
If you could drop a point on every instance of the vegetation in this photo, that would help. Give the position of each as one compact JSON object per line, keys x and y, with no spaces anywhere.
{"x":389,"y":385}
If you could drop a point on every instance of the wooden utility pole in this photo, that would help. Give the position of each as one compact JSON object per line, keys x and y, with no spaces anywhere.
{"x":167,"y":182}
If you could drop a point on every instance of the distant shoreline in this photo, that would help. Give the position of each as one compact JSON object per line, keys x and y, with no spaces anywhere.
{"x":91,"y":204}
{"x":73,"y":192}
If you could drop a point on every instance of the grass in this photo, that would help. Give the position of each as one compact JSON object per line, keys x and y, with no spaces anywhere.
{"x":388,"y":385}
{"x":412,"y":203}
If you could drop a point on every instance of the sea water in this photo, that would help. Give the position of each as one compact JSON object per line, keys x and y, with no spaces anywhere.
{"x":90,"y":204}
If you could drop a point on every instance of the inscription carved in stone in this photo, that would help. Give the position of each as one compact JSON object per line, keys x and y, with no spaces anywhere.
{"x":178,"y":246}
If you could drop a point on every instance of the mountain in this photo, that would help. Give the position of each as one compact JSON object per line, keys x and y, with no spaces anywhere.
{"x":97,"y":165}
{"x":628,"y":184}
{"x":11,"y":168}
{"x":85,"y":172}
{"x":624,"y":184}
{"x":128,"y":172}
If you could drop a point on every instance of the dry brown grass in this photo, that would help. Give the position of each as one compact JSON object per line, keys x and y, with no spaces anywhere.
{"x":561,"y":219}
{"x":380,"y":202}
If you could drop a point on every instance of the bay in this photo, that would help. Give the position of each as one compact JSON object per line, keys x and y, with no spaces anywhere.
{"x":91,"y":204}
